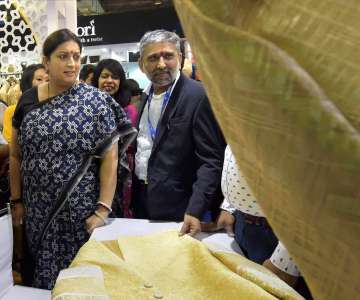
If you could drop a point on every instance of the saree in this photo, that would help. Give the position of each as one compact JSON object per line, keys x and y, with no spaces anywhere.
{"x":56,"y":136}
{"x":283,"y":80}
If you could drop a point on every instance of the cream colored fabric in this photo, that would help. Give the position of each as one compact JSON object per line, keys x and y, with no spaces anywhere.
{"x":80,"y":283}
{"x":172,"y":267}
{"x":283,"y":80}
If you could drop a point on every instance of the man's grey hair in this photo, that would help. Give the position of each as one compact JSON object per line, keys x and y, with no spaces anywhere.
{"x":159,"y":36}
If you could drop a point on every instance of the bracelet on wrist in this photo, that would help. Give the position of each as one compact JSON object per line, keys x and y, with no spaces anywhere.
{"x":105,"y":205}
{"x":16,"y":200}
{"x":100,"y":216}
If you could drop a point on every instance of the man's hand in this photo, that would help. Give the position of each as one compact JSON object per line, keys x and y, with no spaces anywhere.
{"x":191,"y":226}
{"x":225,"y":221}
{"x":289,"y":279}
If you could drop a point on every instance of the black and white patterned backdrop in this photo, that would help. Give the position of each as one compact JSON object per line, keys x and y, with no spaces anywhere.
{"x":23,"y":25}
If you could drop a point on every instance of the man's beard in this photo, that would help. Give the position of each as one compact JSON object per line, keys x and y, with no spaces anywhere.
{"x":163,"y":77}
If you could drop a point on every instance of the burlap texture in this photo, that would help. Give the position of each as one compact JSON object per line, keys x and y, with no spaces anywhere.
{"x":283,"y":81}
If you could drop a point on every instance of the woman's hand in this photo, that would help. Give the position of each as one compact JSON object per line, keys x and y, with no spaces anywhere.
{"x":17,"y":213}
{"x":95,"y":220}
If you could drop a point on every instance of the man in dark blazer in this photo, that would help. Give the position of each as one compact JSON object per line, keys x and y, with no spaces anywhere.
{"x":180,"y":148}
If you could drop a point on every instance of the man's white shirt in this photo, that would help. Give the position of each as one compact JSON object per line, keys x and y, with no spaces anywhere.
{"x":144,"y":140}
{"x":238,"y":195}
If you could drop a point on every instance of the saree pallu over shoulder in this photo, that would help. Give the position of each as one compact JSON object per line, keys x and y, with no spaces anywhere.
{"x":56,"y":136}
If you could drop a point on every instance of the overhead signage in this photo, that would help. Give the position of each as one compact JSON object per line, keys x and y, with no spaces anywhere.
{"x":127,"y":27}
{"x":87,"y":33}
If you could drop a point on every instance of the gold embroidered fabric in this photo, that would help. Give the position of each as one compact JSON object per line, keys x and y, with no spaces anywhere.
{"x":166,"y":266}
{"x":283,"y":80}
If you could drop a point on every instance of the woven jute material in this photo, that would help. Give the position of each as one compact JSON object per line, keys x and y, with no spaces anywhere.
{"x":283,"y":80}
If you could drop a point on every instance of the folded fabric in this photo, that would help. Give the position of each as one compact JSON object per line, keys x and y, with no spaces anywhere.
{"x":80,"y":283}
{"x":166,"y":266}
{"x":282,"y":78}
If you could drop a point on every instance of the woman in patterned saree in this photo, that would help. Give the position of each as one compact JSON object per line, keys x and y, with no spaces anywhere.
{"x":57,"y":127}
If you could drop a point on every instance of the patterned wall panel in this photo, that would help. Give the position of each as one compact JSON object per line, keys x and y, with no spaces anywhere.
{"x":23,"y":26}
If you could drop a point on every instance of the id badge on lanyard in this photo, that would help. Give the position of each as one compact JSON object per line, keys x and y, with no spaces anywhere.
{"x":152,"y":129}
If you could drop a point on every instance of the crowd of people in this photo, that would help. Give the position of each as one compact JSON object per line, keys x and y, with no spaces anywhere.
{"x":75,"y":158}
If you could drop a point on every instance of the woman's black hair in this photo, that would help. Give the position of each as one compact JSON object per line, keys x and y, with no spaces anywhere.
{"x":85,"y":71}
{"x":134,"y":87}
{"x":123,"y":95}
{"x":28,"y":76}
{"x":57,"y":38}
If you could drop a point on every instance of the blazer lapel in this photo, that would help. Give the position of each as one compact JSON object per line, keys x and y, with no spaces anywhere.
{"x":169,"y":112}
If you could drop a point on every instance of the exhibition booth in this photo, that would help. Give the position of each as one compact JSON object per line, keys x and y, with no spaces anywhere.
{"x":182,"y":267}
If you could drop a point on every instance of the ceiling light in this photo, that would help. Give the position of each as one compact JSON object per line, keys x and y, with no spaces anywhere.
{"x":157,"y":2}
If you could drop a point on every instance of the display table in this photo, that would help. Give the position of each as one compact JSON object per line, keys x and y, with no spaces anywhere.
{"x":9,"y":291}
{"x":18,"y":292}
{"x":136,"y":227}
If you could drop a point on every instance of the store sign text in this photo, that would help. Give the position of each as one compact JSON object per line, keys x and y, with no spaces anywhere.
{"x":87,"y":34}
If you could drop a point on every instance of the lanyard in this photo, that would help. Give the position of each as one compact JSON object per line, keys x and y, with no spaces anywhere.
{"x":153,"y":130}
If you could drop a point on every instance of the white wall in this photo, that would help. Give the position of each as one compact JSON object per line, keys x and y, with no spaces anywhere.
{"x":133,"y":71}
{"x":116,"y":51}
{"x":33,"y":17}
{"x":41,"y":17}
{"x":120,"y":53}
{"x":61,"y":14}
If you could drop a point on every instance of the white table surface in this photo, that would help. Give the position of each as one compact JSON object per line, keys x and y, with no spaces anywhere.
{"x":7,"y":290}
{"x":139,"y":227}
{"x":18,"y":292}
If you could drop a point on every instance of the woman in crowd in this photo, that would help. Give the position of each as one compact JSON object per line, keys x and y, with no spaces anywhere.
{"x":60,"y":193}
{"x":33,"y":75}
{"x":109,"y":76}
{"x":87,"y":73}
{"x":4,"y":156}
{"x":135,"y":91}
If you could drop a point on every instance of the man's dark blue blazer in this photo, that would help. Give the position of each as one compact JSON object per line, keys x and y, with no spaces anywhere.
{"x":185,"y":165}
